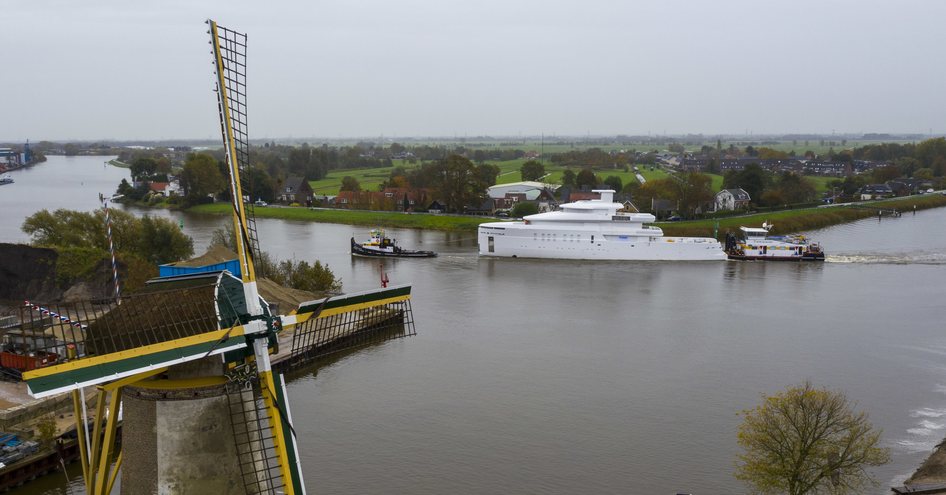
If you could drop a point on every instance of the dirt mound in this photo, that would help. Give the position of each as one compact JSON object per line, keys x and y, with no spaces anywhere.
{"x":28,"y":272}
{"x":215,"y":254}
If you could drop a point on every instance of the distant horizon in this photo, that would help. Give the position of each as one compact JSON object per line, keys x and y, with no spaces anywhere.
{"x":874,"y":136}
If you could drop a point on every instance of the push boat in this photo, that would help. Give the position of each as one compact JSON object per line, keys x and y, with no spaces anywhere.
{"x":380,"y":245}
{"x":756,"y":244}
{"x":595,"y":229}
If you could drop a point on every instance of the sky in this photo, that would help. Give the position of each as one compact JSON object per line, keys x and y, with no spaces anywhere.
{"x":142,"y":70}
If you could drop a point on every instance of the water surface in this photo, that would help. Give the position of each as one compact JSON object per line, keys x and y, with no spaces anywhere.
{"x":565,"y":377}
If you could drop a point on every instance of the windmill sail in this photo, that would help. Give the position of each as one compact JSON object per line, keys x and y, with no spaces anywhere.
{"x":175,"y":320}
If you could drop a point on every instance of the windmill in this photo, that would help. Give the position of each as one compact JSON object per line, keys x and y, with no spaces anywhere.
{"x":190,"y":359}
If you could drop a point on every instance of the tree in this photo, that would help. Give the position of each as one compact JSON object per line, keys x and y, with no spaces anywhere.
{"x":161,"y":241}
{"x":259,"y":185}
{"x":350,"y":183}
{"x":923,"y":173}
{"x":524,"y":208}
{"x":143,"y":168}
{"x":201,"y":177}
{"x":532,"y":170}
{"x":691,"y":190}
{"x":289,"y":273}
{"x":46,"y":430}
{"x":140,"y":243}
{"x":568,"y":178}
{"x":303,"y":276}
{"x":928,"y":151}
{"x":614,"y":182}
{"x":753,"y":179}
{"x":460,"y":183}
{"x":791,"y":188}
{"x":806,"y":440}
{"x":586,"y":177}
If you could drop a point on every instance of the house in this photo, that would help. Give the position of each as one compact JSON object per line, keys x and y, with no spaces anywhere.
{"x":905,"y":187}
{"x":500,"y":190}
{"x":662,"y":207}
{"x":732,"y":199}
{"x":404,"y":199}
{"x":159,"y":188}
{"x":836,"y":169}
{"x":436,"y":207}
{"x":875,"y":191}
{"x":580,"y":195}
{"x":390,"y":199}
{"x":296,"y":190}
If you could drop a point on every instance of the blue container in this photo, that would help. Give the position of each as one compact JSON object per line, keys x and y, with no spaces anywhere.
{"x":233,"y":266}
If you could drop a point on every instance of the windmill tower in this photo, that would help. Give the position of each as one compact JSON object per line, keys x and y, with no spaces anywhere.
{"x":189,"y":360}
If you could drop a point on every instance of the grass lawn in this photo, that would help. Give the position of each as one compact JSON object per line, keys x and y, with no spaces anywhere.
{"x":371,"y":178}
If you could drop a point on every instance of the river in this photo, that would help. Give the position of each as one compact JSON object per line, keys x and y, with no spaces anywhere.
{"x":565,"y":377}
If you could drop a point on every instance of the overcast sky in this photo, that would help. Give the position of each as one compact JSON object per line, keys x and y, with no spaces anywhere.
{"x":96,"y":69}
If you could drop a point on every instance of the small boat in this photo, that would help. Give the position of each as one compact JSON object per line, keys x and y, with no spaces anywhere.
{"x":756,"y":244}
{"x":380,"y":245}
{"x":6,"y":179}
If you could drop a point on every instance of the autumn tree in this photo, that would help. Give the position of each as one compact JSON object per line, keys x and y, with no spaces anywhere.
{"x":455,"y":180}
{"x":805,"y":440}
{"x":350,"y":183}
{"x":532,"y":170}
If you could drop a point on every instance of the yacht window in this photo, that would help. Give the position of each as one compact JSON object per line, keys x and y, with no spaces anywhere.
{"x":492,"y":246}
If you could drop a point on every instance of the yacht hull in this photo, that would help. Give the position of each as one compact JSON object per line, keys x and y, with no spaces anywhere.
{"x":524,"y":241}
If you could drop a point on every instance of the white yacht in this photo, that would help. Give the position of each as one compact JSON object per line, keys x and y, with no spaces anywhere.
{"x":592,"y":230}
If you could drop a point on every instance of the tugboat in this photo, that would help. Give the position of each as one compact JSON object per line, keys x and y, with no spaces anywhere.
{"x":756,"y":244}
{"x":380,"y":245}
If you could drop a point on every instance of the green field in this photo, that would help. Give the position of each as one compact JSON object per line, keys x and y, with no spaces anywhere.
{"x":371,"y":178}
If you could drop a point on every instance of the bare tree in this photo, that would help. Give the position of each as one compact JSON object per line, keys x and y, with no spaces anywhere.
{"x":805,"y":440}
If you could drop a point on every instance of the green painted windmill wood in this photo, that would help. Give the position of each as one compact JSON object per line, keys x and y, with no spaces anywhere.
{"x":174,"y":321}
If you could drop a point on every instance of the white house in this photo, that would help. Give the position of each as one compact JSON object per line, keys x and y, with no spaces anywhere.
{"x":526,"y":187}
{"x":732,"y":199}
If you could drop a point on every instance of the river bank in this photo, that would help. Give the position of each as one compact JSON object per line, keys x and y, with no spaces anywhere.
{"x":388,"y":219}
{"x":787,"y":221}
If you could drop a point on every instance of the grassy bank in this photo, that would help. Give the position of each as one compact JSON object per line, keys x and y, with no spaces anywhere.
{"x":787,"y":221}
{"x":118,"y":163}
{"x":357,"y":217}
{"x":791,"y":221}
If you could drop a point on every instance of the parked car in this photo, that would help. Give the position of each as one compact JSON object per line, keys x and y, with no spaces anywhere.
{"x":260,"y":202}
{"x":674,"y":218}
